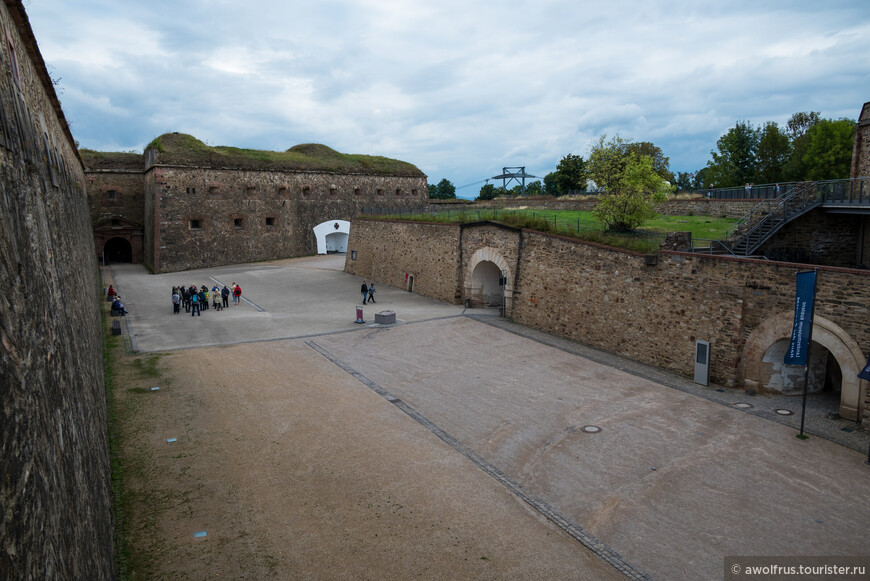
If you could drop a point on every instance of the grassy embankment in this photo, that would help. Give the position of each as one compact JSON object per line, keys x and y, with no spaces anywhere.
{"x":584,"y":226}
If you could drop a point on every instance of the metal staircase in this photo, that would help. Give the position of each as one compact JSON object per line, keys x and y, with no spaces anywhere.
{"x":764,"y":220}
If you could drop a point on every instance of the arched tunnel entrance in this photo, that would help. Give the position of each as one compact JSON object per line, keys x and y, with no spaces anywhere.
{"x":485,"y":287}
{"x":835,"y":360}
{"x":118,"y":250}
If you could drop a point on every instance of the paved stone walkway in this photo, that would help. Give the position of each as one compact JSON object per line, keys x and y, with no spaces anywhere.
{"x":821,"y":419}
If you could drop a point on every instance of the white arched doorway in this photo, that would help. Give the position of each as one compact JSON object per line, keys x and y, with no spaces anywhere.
{"x":484,"y":272}
{"x":332,"y":236}
{"x":758,"y":367}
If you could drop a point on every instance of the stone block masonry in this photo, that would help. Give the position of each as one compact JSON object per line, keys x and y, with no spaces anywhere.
{"x":615,"y":300}
{"x":55,"y":486}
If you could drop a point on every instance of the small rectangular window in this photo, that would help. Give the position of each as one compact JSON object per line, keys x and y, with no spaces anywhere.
{"x":191,"y":190}
{"x":333,"y":190}
{"x":213,"y":190}
{"x":357,"y":191}
{"x":111,"y":195}
{"x":270,"y":221}
{"x":398,"y":191}
{"x":282,"y":191}
{"x":237,"y":222}
{"x":252,"y":191}
{"x":306,"y":190}
{"x":196,"y":224}
{"x":380,"y":192}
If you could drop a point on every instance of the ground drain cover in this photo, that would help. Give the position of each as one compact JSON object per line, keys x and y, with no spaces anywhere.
{"x":591,"y":429}
{"x":784,"y":412}
{"x":743,"y":405}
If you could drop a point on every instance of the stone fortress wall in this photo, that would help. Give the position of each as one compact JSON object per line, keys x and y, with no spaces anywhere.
{"x":55,"y":489}
{"x":614,"y":300}
{"x":198,"y":217}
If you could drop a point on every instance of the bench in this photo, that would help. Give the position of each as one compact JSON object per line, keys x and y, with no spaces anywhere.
{"x":116,"y":327}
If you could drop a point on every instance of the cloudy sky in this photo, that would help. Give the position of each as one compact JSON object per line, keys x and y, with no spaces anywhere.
{"x":460,"y":88}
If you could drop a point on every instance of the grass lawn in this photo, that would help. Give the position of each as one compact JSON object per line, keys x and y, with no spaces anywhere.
{"x":585,"y":226}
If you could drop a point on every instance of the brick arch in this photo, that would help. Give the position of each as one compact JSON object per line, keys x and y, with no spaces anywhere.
{"x":826,"y":333}
{"x":489,"y":254}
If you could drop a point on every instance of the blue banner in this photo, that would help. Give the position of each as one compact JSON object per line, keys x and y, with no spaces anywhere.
{"x":865,"y":373}
{"x":803,"y":319}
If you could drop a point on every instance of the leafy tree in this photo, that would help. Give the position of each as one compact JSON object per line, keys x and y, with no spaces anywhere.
{"x":685,"y":181}
{"x":632,"y":185}
{"x":661,"y":164}
{"x":734,"y":162}
{"x":550,"y":187}
{"x":487,"y":192}
{"x":534,"y":188}
{"x":571,"y":175}
{"x":445,"y":190}
{"x":828,"y":153}
{"x":774,"y":150}
{"x":799,"y":123}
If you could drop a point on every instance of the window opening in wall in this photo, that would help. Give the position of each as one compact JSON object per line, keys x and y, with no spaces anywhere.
{"x":282,"y":191}
{"x":238,"y":223}
{"x":213,"y":190}
{"x":380,"y":191}
{"x":270,"y":221}
{"x":357,"y":191}
{"x":191,"y":190}
{"x":111,"y":195}
{"x":306,"y":190}
{"x":252,"y":190}
{"x":116,"y":223}
{"x":333,"y":190}
{"x":413,"y":192}
{"x":398,"y":191}
{"x":196,"y":224}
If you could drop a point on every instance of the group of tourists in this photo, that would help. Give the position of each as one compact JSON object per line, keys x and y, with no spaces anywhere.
{"x":195,"y":300}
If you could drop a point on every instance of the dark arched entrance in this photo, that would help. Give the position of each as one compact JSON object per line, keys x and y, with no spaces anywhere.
{"x":118,"y":250}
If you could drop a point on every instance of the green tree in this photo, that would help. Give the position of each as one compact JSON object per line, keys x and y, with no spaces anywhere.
{"x":828,"y":153}
{"x":661,"y":163}
{"x":632,"y":185}
{"x":774,"y":150}
{"x":487,"y":192}
{"x":571,"y":175}
{"x":799,"y":123}
{"x":550,"y":187}
{"x":534,"y":188}
{"x":685,"y":181}
{"x":734,"y":162}
{"x":445,"y":190}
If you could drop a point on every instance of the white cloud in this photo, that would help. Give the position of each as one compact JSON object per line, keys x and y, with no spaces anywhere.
{"x":459,"y":88}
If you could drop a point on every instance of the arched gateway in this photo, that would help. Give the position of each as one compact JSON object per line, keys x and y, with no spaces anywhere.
{"x":756,"y":371}
{"x":486,"y":269}
{"x":332,"y":236}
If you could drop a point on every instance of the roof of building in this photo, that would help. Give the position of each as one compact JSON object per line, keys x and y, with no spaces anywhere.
{"x":112,"y":160}
{"x":186,"y":150}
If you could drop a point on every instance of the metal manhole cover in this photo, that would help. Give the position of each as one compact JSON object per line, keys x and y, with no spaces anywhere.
{"x":784,"y":412}
{"x":743,"y":405}
{"x":591,"y":429}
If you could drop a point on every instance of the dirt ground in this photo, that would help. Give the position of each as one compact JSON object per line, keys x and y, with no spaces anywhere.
{"x":295,"y":470}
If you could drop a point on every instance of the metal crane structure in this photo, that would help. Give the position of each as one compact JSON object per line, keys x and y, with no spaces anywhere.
{"x":509,"y":174}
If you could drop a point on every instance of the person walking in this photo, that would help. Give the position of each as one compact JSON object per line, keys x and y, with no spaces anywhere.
{"x":364,"y":289}
{"x":237,"y":294}
{"x":372,"y":293}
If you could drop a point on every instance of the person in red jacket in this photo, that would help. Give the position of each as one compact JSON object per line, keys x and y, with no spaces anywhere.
{"x":237,"y":294}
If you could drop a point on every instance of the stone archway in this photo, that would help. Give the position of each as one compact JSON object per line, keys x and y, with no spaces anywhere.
{"x":484,"y":268}
{"x":118,"y":250}
{"x":827,"y":334}
{"x":332,"y":236}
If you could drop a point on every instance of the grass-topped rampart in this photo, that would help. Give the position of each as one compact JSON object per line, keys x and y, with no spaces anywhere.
{"x":187,"y":150}
{"x":581,"y":225}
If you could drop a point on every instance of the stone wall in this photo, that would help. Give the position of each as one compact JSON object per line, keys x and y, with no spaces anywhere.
{"x":55,"y":489}
{"x":819,"y":237}
{"x":196,"y":217}
{"x":392,"y":252}
{"x":861,"y":150}
{"x":651,"y":311}
{"x":116,"y":194}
